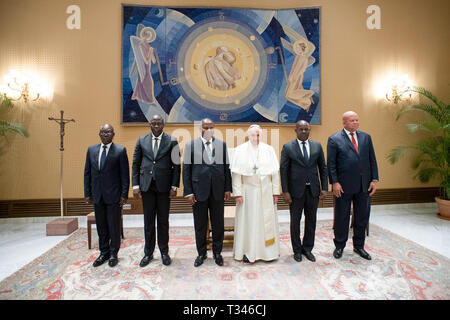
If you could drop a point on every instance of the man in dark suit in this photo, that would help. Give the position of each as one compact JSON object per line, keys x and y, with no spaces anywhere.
{"x":106,"y":184}
{"x":207,"y":183}
{"x":353,"y":173}
{"x":156,"y":177}
{"x":302,"y":161}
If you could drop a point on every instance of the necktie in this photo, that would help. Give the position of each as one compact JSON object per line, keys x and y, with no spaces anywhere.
{"x":155,"y":148}
{"x":354,"y":142}
{"x":208,"y":150}
{"x":305,"y":152}
{"x":103,"y":157}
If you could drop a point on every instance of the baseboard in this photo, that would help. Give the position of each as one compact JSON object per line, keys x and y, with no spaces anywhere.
{"x":78,"y":207}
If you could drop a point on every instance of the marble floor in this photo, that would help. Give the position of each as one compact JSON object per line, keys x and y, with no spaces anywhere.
{"x":23,"y":239}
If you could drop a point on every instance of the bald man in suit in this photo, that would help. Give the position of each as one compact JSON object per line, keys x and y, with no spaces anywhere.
{"x":353,"y":174}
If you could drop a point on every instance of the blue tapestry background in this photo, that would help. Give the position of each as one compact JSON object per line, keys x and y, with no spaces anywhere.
{"x":231,"y":65}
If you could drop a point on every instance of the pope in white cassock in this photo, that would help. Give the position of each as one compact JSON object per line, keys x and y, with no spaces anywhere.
{"x":256,"y":186}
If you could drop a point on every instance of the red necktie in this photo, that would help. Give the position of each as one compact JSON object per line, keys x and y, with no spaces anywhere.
{"x":354,"y":142}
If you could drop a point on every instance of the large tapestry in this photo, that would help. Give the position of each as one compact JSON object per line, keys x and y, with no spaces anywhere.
{"x":231,"y":65}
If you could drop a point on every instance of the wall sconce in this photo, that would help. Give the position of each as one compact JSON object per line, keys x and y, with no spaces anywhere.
{"x":399,"y":87}
{"x":18,"y":86}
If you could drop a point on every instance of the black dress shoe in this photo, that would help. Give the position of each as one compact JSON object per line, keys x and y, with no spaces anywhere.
{"x":100,"y":260}
{"x":363,"y":253}
{"x":166,"y":259}
{"x":245,"y":259}
{"x":338,"y":253}
{"x":309,"y":256}
{"x":113,"y":261}
{"x":218,"y":259}
{"x":199,"y":260}
{"x":298,"y":257}
{"x":145,"y":261}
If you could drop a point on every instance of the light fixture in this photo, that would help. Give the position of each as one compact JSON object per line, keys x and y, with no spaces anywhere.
{"x":399,"y":87}
{"x":20,"y":86}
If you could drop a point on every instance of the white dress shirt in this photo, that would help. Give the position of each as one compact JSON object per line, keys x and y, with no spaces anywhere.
{"x":153,"y":143}
{"x":108,"y":146}
{"x":210,"y":145}
{"x":300,"y":143}
{"x":350,"y":136}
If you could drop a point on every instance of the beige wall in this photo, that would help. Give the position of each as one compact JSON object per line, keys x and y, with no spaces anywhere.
{"x":85,"y":68}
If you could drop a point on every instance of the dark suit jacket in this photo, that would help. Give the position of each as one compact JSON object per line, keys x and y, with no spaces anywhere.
{"x":164,"y":168}
{"x":199,"y":176}
{"x":112,"y":181}
{"x":349,"y":167}
{"x":295,"y":171}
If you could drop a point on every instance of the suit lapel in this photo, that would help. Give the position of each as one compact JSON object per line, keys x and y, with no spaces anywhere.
{"x":312,"y":149}
{"x":298,"y":152}
{"x":197,"y":151}
{"x":361,"y":141}
{"x":162,"y":144}
{"x":96,"y":152}
{"x":214,"y":145}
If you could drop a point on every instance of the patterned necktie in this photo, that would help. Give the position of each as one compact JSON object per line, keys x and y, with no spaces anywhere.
{"x":155,"y":148}
{"x":103,"y":157}
{"x":305,"y":152}
{"x":354,"y":142}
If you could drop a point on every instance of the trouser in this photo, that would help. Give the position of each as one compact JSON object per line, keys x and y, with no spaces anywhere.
{"x":156,"y":206}
{"x":361,"y":214}
{"x":108,"y":221}
{"x":307,"y":203}
{"x":216,"y":215}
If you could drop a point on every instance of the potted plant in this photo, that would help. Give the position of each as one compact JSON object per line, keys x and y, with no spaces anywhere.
{"x":432,"y":155}
{"x":7,"y":127}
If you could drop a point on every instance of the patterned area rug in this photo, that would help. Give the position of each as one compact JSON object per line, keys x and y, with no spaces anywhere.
{"x":400,"y":269}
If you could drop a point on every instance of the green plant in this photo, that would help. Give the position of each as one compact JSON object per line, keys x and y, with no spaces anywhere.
{"x":432,"y":153}
{"x":7,"y":127}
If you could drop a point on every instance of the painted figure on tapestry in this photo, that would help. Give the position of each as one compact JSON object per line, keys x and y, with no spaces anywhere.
{"x":144,"y":56}
{"x":220,"y":70}
{"x":295,"y":92}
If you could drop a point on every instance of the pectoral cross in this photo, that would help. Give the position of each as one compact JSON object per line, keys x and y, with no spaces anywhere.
{"x":255,"y":168}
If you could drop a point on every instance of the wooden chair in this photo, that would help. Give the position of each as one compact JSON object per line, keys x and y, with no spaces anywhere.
{"x":91,"y":221}
{"x":351,"y":216}
{"x":229,"y":213}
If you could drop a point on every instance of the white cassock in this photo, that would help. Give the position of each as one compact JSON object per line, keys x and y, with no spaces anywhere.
{"x":255,"y":177}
